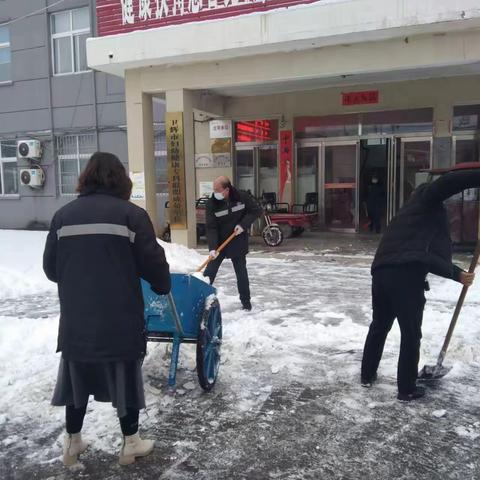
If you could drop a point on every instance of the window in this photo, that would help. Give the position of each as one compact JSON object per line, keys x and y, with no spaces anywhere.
{"x":8,"y":168}
{"x":466,"y":117}
{"x":161,"y":162}
{"x":397,"y":122}
{"x":328,"y":126}
{"x":374,"y":123}
{"x":5,"y":55}
{"x":467,"y":149}
{"x":70,"y":31}
{"x":73,"y":152}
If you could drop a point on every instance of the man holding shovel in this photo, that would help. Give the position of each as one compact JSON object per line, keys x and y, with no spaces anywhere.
{"x":416,"y":242}
{"x":230,"y":211}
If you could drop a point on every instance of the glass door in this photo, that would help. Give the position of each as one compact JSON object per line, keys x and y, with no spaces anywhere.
{"x":267,"y":169}
{"x":245,"y":169}
{"x":256,"y":169}
{"x":415,"y":155}
{"x":463,"y":208}
{"x":340,"y":171}
{"x":306,"y":168}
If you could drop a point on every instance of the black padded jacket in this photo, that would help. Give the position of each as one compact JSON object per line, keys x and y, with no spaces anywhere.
{"x":98,"y":248}
{"x":223,"y":215}
{"x":420,"y":233}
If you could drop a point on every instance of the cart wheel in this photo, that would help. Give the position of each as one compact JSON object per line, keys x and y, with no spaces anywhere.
{"x":272,"y":235}
{"x":208,"y":346}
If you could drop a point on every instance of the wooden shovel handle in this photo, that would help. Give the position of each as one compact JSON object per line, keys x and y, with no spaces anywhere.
{"x":218,"y":250}
{"x":458,"y":308}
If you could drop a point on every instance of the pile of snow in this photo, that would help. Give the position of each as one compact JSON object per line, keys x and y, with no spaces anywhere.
{"x":182,"y":259}
{"x":21,"y":271}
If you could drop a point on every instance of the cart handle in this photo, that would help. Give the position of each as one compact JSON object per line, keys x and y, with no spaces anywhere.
{"x":176,"y":318}
{"x":218,"y":250}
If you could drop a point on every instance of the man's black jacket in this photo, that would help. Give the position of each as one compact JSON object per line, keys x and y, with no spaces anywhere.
{"x":97,"y":249}
{"x":420,"y":233}
{"x":223,"y":215}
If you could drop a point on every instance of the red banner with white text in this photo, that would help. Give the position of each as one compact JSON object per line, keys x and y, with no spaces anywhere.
{"x":122,"y":16}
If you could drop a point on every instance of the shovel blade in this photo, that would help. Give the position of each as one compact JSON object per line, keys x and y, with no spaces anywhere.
{"x":433,"y":372}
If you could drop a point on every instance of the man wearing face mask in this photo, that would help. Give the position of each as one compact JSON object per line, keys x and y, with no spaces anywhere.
{"x":230,"y":210}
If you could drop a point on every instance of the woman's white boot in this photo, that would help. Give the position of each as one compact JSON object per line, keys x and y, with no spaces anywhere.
{"x":133,"y":446}
{"x":73,"y":446}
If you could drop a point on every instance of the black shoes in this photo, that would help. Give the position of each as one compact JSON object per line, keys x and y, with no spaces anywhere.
{"x":368,"y":382}
{"x":246,"y":305}
{"x":419,"y":392}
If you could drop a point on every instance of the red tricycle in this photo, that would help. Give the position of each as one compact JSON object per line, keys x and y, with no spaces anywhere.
{"x":292,"y":220}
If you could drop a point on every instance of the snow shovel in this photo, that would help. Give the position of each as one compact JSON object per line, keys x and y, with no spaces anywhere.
{"x":218,"y":250}
{"x":434,"y":372}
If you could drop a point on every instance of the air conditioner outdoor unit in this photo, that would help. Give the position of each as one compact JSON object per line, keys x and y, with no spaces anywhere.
{"x":29,"y":149}
{"x":32,"y":177}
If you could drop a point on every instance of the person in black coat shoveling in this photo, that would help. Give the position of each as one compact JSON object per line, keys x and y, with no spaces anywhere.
{"x":230,"y":210}
{"x":416,"y":242}
{"x":98,"y":248}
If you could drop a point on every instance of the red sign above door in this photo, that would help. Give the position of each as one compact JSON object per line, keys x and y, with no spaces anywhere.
{"x":121,"y":16}
{"x":360,"y":98}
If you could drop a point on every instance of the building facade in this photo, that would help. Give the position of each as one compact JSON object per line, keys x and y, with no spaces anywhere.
{"x":296,"y":97}
{"x":49,"y":94}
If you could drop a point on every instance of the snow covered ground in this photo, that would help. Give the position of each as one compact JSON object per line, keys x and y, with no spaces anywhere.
{"x":287,"y":405}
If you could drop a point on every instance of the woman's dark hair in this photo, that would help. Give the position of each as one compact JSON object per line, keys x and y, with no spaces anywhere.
{"x":105,"y":172}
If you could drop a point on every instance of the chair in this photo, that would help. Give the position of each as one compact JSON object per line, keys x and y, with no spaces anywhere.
{"x":269,"y":200}
{"x":310,"y":205}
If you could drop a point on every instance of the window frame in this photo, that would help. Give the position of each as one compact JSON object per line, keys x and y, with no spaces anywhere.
{"x":71,"y":34}
{"x":75,"y":156}
{"x":3,"y":161}
{"x":7,"y":45}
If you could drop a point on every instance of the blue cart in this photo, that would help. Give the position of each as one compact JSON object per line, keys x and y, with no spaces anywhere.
{"x":189,"y":314}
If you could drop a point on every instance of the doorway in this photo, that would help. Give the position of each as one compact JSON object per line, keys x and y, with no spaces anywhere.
{"x":340,"y":185}
{"x":373,"y":184}
{"x":329,"y":168}
{"x":341,"y":172}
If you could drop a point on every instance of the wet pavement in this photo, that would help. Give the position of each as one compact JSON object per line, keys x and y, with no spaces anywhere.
{"x":287,"y":404}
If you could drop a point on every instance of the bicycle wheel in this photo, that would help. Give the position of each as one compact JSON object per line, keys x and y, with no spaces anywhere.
{"x":272,"y":235}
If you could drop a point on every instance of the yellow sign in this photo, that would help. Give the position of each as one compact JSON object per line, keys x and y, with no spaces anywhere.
{"x":176,"y":170}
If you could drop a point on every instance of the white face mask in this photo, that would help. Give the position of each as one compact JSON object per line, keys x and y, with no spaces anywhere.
{"x":219,"y":196}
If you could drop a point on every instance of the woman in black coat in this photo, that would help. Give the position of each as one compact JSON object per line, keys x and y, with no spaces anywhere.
{"x":98,"y":248}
